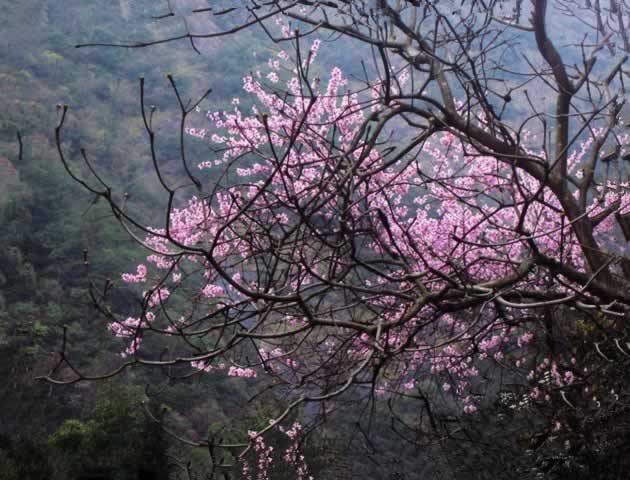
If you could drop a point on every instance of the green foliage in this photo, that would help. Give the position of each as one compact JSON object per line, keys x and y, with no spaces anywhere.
{"x":39,"y":329}
{"x":115,"y":437}
{"x":50,"y":57}
{"x":70,"y":437}
{"x":584,"y":327}
{"x":22,"y":310}
{"x":23,"y":459}
{"x":54,"y":312}
{"x":48,"y":221}
{"x":9,"y":469}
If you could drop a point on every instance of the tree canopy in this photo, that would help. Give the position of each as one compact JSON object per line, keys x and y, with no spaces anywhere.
{"x":442,"y":230}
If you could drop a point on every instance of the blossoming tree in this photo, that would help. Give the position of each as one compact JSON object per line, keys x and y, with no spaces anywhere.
{"x":451,"y":223}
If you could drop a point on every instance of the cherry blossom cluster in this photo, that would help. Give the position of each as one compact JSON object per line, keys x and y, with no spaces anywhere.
{"x":324,"y":255}
{"x":264,"y":455}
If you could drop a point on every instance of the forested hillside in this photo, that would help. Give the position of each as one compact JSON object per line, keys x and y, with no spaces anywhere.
{"x":56,"y":240}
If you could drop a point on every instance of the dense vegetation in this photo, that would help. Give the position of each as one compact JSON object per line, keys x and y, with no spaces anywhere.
{"x":56,"y":240}
{"x":50,"y":228}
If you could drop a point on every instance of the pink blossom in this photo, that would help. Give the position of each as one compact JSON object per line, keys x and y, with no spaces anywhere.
{"x":241,"y":372}
{"x":140,"y":276}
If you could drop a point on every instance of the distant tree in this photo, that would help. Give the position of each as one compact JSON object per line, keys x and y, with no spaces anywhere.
{"x":117,"y":439}
{"x":449,"y":229}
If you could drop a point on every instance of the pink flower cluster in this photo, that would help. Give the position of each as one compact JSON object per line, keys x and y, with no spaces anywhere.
{"x":264,"y":454}
{"x":241,"y":372}
{"x":140,"y":276}
{"x":326,"y":240}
